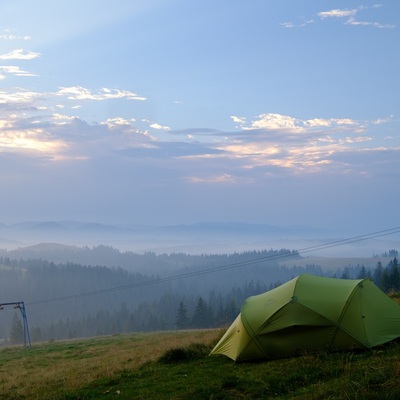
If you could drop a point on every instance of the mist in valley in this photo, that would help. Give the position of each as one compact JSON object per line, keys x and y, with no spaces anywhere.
{"x":80,"y":280}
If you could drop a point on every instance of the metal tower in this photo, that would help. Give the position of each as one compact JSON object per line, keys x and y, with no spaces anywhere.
{"x":21,"y":306}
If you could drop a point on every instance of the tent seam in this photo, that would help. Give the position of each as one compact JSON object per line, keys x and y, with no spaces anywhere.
{"x":346,"y":306}
{"x":253,"y":336}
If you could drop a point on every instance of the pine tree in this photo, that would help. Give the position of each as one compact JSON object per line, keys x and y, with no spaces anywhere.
{"x":346,"y":273}
{"x":378,"y":273}
{"x":363,"y":273}
{"x":17,"y":331}
{"x":182,"y":320}
{"x":231,"y":310}
{"x":385,"y":280}
{"x":394,"y":275}
{"x":202,"y":317}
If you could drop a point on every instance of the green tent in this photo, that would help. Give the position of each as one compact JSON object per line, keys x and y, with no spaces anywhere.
{"x":309,"y":314}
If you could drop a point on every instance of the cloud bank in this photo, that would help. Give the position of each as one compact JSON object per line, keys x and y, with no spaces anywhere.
{"x":141,"y":123}
{"x":270,"y":142}
{"x":346,"y":16}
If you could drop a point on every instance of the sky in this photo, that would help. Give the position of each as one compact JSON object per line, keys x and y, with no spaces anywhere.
{"x":176,"y":112}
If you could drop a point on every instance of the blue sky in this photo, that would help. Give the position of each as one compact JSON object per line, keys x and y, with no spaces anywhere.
{"x":171,"y":112}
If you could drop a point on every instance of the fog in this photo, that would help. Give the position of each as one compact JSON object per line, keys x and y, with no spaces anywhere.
{"x":202,"y":238}
{"x":80,"y":279}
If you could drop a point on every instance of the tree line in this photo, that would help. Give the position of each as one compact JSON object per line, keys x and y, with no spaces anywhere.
{"x":167,"y":306}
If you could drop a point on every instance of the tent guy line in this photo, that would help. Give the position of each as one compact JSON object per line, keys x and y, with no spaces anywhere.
{"x":310,"y":249}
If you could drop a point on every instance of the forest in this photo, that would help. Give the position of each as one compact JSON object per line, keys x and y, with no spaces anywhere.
{"x":180,"y":291}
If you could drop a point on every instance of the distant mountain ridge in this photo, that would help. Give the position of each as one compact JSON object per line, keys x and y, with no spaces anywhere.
{"x":29,"y":229}
{"x":194,"y":238}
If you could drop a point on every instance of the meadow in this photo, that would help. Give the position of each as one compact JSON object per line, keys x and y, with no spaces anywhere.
{"x":176,"y":365}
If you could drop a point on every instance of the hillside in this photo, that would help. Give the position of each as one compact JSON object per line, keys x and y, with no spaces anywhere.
{"x":100,"y":291}
{"x":333,"y":263}
{"x":176,"y":365}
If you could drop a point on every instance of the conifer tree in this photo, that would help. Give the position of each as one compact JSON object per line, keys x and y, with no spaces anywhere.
{"x":17,"y":331}
{"x":378,"y":273}
{"x":182,"y":320}
{"x":394,"y":275}
{"x":201,"y":316}
{"x":363,"y":273}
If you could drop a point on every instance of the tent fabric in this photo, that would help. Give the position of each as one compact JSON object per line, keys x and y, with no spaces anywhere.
{"x":309,"y":314}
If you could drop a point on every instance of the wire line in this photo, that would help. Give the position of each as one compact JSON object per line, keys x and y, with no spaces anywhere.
{"x":191,"y":274}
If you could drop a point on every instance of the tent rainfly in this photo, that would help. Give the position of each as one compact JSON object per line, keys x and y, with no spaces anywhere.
{"x":310,"y":314}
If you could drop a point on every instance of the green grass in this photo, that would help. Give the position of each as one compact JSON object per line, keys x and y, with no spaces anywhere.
{"x":176,"y":365}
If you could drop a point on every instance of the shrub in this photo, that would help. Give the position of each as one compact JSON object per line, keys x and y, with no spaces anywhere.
{"x":192,"y":352}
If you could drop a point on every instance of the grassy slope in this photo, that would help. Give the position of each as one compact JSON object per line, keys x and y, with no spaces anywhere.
{"x":176,"y":365}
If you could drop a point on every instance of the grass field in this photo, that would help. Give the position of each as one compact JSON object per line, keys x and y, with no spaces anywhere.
{"x":176,"y":365}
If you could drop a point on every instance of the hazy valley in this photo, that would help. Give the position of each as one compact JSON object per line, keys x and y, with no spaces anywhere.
{"x":90,"y":279}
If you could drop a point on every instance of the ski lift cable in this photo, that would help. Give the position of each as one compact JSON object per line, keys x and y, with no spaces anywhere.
{"x":279,"y":255}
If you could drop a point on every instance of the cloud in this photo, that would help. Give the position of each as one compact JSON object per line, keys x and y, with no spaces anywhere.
{"x":287,"y":25}
{"x":12,"y":98}
{"x":384,"y":120}
{"x":155,"y":125}
{"x":354,"y":22}
{"x":18,"y":136}
{"x":13,"y":70}
{"x":292,"y":25}
{"x":321,"y":122}
{"x":348,"y":15}
{"x":14,"y":37}
{"x":31,"y":122}
{"x":61,"y":119}
{"x":118,"y":122}
{"x":276,"y":122}
{"x":279,"y":122}
{"x":29,"y":140}
{"x":60,"y":159}
{"x":217,"y":179}
{"x":80,"y":93}
{"x":336,"y":13}
{"x":292,"y":144}
{"x":19,"y":54}
{"x":6,"y":34}
{"x":238,"y":120}
{"x":44,"y":125}
{"x":28,"y":125}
